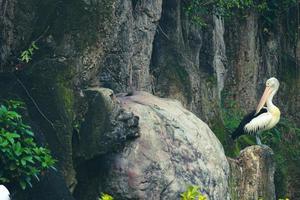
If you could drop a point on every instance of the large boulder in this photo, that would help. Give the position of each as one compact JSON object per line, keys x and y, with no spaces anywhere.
{"x":175,"y":149}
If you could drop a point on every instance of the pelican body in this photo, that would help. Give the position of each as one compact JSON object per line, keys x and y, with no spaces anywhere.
{"x":263,"y":118}
{"x":4,"y":193}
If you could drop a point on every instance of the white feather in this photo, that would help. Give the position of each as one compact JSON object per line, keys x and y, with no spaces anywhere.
{"x":258,"y":123}
{"x":4,"y":193}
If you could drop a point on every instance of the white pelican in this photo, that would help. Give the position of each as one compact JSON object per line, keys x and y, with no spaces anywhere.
{"x":4,"y":193}
{"x":264,"y":118}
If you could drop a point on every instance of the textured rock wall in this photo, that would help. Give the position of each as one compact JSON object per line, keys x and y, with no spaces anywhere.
{"x":243,"y":61}
{"x":188,"y":61}
{"x":81,"y":44}
{"x":126,"y":61}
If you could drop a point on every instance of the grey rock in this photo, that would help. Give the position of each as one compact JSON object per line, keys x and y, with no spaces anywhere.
{"x":175,"y":149}
{"x":106,"y":126}
{"x":252,"y":174}
{"x":188,"y":61}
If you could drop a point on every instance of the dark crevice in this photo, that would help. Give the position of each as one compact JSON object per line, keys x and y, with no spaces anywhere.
{"x":90,"y":174}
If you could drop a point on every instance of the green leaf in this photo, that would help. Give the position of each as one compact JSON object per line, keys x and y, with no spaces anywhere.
{"x":33,"y":44}
{"x":17,"y":148}
{"x":22,"y":184}
{"x":106,"y":197}
{"x":29,"y":132}
{"x":23,"y":162}
{"x":23,"y":158}
{"x":25,"y":56}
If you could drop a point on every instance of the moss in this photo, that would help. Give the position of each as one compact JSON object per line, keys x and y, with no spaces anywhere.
{"x":219,"y":129}
{"x":66,"y":93}
{"x":49,"y":83}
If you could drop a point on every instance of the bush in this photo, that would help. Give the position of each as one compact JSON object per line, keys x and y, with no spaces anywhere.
{"x":21,"y":158}
{"x":106,"y":197}
{"x":268,"y":9}
{"x":192,"y":193}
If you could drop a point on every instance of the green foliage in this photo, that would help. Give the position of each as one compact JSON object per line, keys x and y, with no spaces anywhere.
{"x":26,"y":55}
{"x":198,"y":9}
{"x":106,"y":197}
{"x":192,"y":193}
{"x":21,"y":158}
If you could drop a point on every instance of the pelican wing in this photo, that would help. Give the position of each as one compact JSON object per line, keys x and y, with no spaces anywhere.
{"x":240,"y":130}
{"x":258,"y":123}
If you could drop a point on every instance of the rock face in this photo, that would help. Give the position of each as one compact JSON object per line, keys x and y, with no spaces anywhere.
{"x":252,"y":174}
{"x":188,"y":61}
{"x":106,"y":126}
{"x":175,"y":149}
{"x":140,"y":45}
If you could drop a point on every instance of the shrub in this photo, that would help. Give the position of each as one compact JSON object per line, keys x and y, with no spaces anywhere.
{"x":267,"y":9}
{"x":21,"y":158}
{"x":106,"y":197}
{"x":192,"y":193}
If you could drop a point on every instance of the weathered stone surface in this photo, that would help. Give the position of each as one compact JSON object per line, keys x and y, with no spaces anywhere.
{"x":106,"y":126}
{"x":175,"y":149}
{"x":188,"y":61}
{"x":252,"y":174}
{"x":50,"y":187}
{"x":126,"y":61}
{"x":244,"y":65}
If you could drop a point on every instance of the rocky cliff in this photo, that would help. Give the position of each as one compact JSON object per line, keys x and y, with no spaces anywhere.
{"x":140,"y":45}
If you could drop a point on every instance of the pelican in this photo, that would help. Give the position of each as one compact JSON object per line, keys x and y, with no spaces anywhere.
{"x":263,"y":118}
{"x":4,"y":193}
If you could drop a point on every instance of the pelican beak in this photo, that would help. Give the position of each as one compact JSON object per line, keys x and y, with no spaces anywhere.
{"x":263,"y":99}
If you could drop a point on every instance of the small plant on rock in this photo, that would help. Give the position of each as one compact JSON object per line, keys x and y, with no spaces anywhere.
{"x":106,"y":197}
{"x":192,"y":193}
{"x":26,"y":55}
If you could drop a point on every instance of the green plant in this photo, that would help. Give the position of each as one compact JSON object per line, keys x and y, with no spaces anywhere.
{"x":21,"y":158}
{"x":106,"y":197}
{"x":192,"y":193}
{"x":26,"y":55}
{"x":197,"y":10}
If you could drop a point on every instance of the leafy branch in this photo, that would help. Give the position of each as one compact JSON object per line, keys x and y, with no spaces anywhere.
{"x":192,"y":193}
{"x":26,"y":55}
{"x":21,"y":158}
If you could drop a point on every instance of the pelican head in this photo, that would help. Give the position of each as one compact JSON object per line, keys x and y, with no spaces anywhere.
{"x":272,"y":85}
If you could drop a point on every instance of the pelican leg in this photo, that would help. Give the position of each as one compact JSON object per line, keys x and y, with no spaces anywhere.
{"x":258,"y":142}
